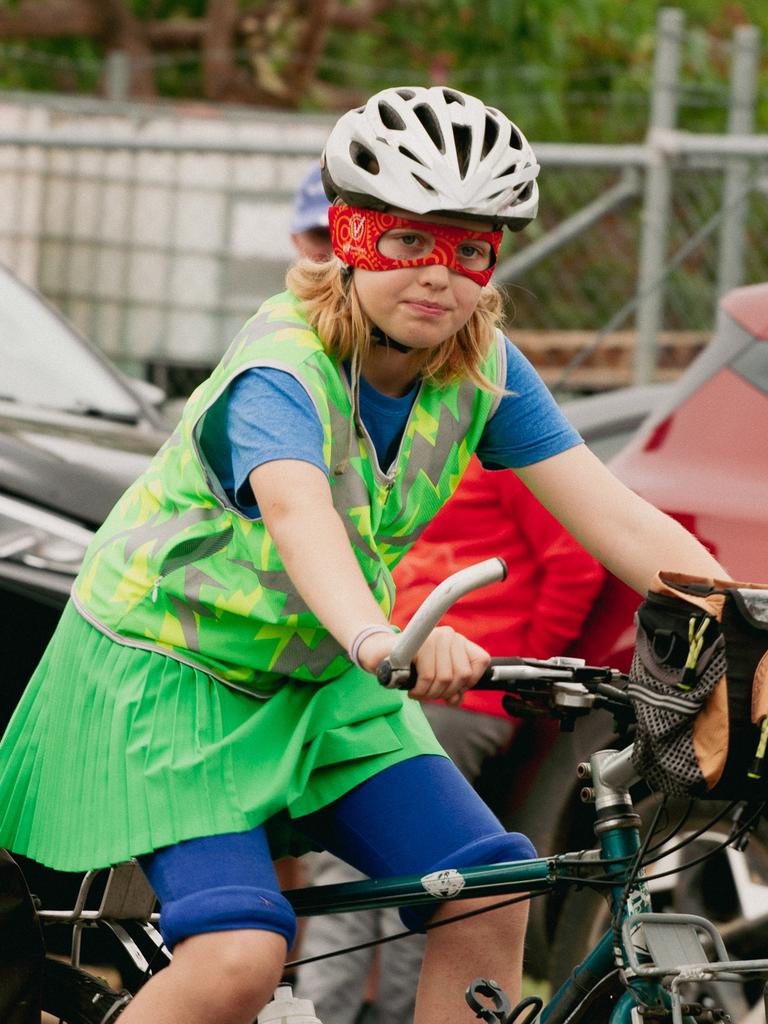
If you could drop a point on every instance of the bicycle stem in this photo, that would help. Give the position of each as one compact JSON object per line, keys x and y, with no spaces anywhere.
{"x":615,"y":770}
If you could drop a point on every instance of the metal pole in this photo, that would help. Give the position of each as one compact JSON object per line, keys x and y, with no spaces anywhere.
{"x":627,"y":188}
{"x":670,"y":25}
{"x":741,"y":121}
{"x":117,"y":76}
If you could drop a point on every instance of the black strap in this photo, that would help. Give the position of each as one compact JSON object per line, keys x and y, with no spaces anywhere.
{"x":380,"y":338}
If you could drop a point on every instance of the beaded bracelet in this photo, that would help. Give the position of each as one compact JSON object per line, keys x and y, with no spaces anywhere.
{"x":364,"y":633}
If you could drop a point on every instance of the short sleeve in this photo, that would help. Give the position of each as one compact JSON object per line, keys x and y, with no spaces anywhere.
{"x":528,"y":425}
{"x":265,"y":415}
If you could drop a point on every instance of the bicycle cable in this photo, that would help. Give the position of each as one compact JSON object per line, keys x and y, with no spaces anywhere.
{"x":635,"y":869}
{"x":728,"y":841}
{"x":687,"y":840}
{"x":605,"y":881}
{"x":611,"y":861}
{"x":405,"y":934}
{"x":710,"y":823}
{"x":677,"y":827}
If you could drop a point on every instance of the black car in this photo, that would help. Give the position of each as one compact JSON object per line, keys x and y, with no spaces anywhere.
{"x":74,"y":432}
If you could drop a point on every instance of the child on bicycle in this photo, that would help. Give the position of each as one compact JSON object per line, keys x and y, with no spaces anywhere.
{"x":207,"y":700}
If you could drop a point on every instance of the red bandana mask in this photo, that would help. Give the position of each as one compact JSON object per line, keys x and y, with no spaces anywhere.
{"x":355,"y":236}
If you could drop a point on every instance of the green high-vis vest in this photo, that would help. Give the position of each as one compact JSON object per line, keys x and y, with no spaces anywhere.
{"x":178,"y":569}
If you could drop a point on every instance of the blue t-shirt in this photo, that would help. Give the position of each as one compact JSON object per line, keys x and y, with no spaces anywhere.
{"x":266,"y":415}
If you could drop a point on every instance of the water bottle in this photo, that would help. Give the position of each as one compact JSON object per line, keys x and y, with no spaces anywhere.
{"x":285,"y":1008}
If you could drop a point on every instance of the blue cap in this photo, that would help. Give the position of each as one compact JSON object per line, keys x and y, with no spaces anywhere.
{"x":310,"y":208}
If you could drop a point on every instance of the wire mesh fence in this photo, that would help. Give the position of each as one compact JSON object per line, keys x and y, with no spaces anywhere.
{"x":158,"y":229}
{"x":159,"y":248}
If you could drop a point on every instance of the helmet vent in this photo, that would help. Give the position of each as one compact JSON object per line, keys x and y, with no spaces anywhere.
{"x":405,"y":94}
{"x":507,"y":170}
{"x":410,"y":155}
{"x":424,"y":184}
{"x":363,"y":158}
{"x":515,"y":141}
{"x":390,"y":117}
{"x":490,"y":136}
{"x":428,"y":120}
{"x":462,"y":139}
{"x":453,"y":97}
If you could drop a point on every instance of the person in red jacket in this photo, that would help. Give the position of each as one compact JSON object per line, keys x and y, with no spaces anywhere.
{"x":537,"y":612}
{"x":551,"y":584}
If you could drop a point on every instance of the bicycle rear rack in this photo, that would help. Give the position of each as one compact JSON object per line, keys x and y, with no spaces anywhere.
{"x":127,"y":896}
{"x":676,"y":955}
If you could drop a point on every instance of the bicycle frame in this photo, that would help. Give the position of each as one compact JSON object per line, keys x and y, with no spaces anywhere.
{"x":654,"y":955}
{"x":128,"y":897}
{"x":628,"y":949}
{"x":619,"y":840}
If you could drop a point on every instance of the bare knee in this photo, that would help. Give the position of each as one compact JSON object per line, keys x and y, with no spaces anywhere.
{"x":500,"y":924}
{"x":233,"y":972}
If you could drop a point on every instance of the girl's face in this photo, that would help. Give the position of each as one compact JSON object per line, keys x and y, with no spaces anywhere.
{"x":421,"y":306}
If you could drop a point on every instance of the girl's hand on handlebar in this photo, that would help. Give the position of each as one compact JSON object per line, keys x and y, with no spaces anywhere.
{"x":447,"y":664}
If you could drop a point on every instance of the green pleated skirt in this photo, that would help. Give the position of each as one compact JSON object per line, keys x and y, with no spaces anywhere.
{"x":114,"y":752}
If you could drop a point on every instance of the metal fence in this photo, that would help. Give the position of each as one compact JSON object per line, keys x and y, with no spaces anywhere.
{"x":157,"y":232}
{"x":156,"y":238}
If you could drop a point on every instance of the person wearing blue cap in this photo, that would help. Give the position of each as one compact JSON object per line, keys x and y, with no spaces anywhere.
{"x":310,"y":233}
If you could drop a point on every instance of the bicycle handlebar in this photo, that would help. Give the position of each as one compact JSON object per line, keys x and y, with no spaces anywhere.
{"x":396,"y":671}
{"x":562,"y":684}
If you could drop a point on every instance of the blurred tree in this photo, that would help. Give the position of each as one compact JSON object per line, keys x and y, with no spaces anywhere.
{"x":263,"y":52}
{"x":579,"y":71}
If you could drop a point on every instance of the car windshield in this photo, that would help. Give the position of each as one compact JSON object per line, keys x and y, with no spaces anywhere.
{"x":44,"y":363}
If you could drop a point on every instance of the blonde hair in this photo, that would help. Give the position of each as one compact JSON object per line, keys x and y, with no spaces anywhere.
{"x":332,"y":308}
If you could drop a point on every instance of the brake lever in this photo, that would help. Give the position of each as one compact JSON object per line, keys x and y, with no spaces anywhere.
{"x":517,"y":708}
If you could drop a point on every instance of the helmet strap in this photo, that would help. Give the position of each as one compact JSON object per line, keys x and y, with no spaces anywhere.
{"x":380,"y":338}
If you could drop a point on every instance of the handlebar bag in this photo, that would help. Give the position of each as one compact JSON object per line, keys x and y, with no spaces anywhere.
{"x":699,"y":687}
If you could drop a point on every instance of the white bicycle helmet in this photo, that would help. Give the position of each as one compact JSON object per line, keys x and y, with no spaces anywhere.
{"x":432,"y":150}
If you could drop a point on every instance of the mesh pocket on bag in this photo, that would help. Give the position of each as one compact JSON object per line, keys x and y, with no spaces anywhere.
{"x":663,"y":750}
{"x":666,"y":702}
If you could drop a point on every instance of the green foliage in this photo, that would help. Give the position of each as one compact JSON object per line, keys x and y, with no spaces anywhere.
{"x":580,"y":71}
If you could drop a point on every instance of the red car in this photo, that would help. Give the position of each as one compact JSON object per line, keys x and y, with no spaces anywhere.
{"x":702,"y":457}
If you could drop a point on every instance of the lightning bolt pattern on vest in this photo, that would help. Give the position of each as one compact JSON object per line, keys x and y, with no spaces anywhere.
{"x":178,"y":569}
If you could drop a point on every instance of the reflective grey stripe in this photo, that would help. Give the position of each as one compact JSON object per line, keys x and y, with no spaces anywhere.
{"x":161,"y":531}
{"x":258,"y":327}
{"x":501,"y":370}
{"x":296,"y":655}
{"x":185,"y":614}
{"x":146,"y":645}
{"x":194,"y":579}
{"x":348,"y":490}
{"x":194,"y":549}
{"x":279,"y":580}
{"x":424,"y":454}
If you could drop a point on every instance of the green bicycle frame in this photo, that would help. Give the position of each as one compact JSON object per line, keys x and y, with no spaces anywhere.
{"x":617,"y":827}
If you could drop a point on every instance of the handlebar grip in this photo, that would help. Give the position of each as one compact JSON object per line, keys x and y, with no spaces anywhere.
{"x":405,"y":679}
{"x":396,"y":678}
